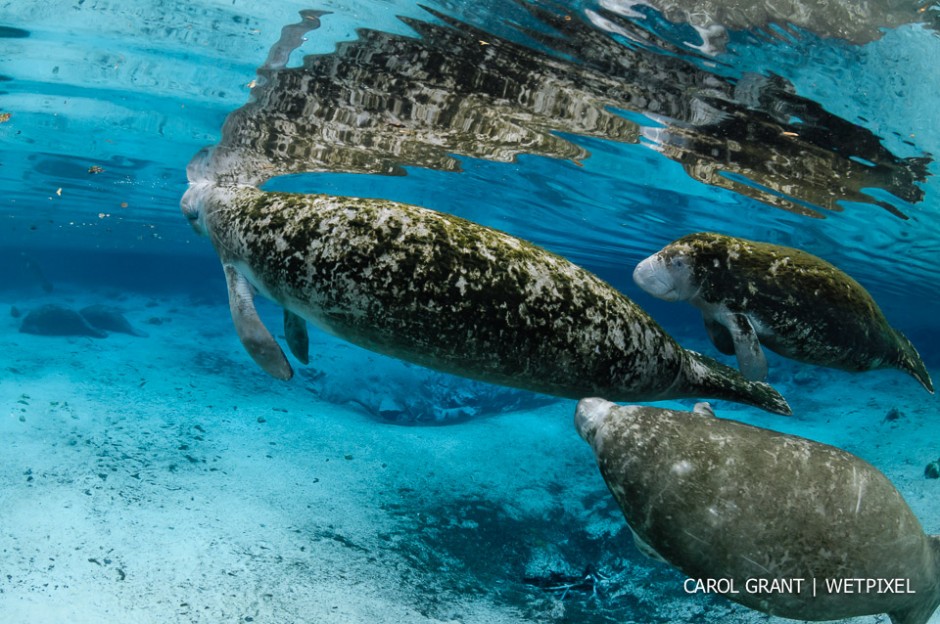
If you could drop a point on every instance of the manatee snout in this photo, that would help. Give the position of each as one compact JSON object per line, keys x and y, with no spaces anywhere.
{"x":589,"y":416}
{"x":192,"y":205}
{"x":651,"y":275}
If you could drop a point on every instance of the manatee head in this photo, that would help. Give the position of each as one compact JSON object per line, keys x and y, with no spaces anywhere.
{"x":203,"y":198}
{"x":668,"y":274}
{"x":193,"y":206}
{"x":201,"y":185}
{"x":589,"y":416}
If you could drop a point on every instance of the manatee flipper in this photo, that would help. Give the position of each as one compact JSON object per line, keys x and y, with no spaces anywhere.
{"x":703,"y":376}
{"x":719,"y":335}
{"x":255,"y":337}
{"x":908,"y":360}
{"x":751,"y":360}
{"x":295,"y":330}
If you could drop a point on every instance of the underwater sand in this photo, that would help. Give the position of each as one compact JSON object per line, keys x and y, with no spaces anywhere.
{"x":167,"y":479}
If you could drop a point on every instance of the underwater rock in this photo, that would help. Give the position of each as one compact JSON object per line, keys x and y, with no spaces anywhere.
{"x":792,"y":302}
{"x":15,"y":312}
{"x":932,"y":471}
{"x":720,"y":499}
{"x":465,"y":299}
{"x":389,"y":408}
{"x":110,"y":319}
{"x":893,"y":415}
{"x":56,"y":320}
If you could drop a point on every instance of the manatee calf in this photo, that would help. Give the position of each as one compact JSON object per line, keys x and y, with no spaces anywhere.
{"x":56,"y":320}
{"x":110,"y":319}
{"x":719,"y":499}
{"x":794,"y":303}
{"x":445,"y":293}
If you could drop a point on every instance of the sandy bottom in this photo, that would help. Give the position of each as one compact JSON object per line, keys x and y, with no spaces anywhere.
{"x":166,"y":479}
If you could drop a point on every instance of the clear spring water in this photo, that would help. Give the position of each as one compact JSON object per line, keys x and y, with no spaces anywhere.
{"x":819,"y":134}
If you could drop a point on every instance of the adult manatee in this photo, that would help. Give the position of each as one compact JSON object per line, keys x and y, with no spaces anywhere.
{"x":719,"y":499}
{"x":445,"y":293}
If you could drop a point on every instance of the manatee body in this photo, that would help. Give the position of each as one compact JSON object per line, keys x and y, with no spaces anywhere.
{"x":445,"y":293}
{"x":719,"y":499}
{"x":56,"y":320}
{"x":792,"y":302}
{"x":110,"y":319}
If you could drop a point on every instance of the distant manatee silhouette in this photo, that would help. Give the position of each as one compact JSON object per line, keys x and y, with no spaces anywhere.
{"x":110,"y":319}
{"x":56,"y":320}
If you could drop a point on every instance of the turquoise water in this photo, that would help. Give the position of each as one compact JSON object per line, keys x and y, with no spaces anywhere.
{"x":166,"y":478}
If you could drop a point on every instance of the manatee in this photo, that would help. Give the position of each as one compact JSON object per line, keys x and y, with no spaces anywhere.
{"x":110,"y":319}
{"x":719,"y":499}
{"x":800,"y":306}
{"x":56,"y":320}
{"x":438,"y":291}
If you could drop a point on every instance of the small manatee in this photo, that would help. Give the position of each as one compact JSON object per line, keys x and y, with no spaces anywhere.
{"x":795,"y":304}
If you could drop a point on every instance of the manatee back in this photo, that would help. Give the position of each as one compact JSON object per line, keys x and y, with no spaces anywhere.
{"x":443,"y":292}
{"x":803,"y":307}
{"x":754,"y":276}
{"x":718,"y":498}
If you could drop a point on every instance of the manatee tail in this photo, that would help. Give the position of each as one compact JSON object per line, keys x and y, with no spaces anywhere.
{"x":929,"y":601}
{"x":908,"y":360}
{"x":704,"y":377}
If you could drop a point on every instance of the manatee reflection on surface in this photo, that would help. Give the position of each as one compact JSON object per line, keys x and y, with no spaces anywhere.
{"x":387,"y":101}
{"x":855,"y":22}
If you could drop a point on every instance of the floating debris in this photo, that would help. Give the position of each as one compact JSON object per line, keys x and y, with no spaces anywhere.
{"x":591,"y":582}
